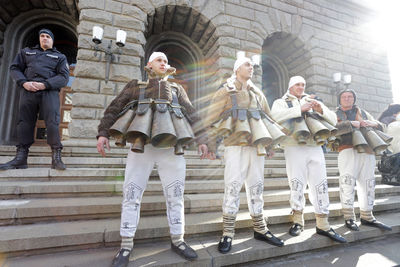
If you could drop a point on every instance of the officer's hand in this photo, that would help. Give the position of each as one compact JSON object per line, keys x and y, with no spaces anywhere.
{"x":29,"y":86}
{"x":355,"y":124}
{"x":203,"y":150}
{"x":101,"y":143}
{"x":39,"y":86}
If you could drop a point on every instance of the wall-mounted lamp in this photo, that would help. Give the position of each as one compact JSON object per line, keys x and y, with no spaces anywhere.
{"x":337,"y":78}
{"x":109,"y":53}
{"x":256,"y":60}
{"x":240,"y":54}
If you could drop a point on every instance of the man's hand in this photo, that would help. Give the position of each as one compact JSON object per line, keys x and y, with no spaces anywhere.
{"x":355,"y":124}
{"x":101,"y":143}
{"x":39,"y":86}
{"x":270,"y":154}
{"x":306,"y":106}
{"x":203,"y":150}
{"x":316,"y":106}
{"x":30,"y":86}
{"x":367,"y":123}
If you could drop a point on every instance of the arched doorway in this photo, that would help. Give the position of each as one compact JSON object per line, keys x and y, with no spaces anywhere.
{"x":283,"y":56}
{"x":185,"y":36}
{"x":22,"y":32}
{"x":182,"y":55}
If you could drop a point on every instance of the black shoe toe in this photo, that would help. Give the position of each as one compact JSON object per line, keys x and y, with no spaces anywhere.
{"x":351,"y":224}
{"x":296,"y":229}
{"x":269,"y":238}
{"x":332,"y":235}
{"x":225,"y":244}
{"x":122,"y":258}
{"x":184,"y":251}
{"x":376,"y":224}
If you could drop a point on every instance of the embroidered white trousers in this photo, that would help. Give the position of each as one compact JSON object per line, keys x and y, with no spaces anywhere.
{"x":356,"y":169}
{"x":306,"y":165}
{"x":243,"y":165}
{"x":171,"y":169}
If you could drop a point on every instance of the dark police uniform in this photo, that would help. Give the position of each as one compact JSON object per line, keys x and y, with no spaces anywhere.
{"x":51,"y":68}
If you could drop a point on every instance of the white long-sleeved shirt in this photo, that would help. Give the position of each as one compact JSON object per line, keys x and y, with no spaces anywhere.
{"x":281,"y":112}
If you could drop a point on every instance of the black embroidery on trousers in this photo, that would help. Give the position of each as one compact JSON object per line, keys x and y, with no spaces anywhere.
{"x":174,"y":193}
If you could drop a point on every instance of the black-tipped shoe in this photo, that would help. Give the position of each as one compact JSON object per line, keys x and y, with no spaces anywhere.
{"x":225,"y":244}
{"x":122,"y":258}
{"x":332,"y":235}
{"x":184,"y":251}
{"x":351,"y":224}
{"x":376,"y":224}
{"x":269,"y":238}
{"x":296,"y":229}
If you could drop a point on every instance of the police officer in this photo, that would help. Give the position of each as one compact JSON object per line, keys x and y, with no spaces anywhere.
{"x":41,"y":71}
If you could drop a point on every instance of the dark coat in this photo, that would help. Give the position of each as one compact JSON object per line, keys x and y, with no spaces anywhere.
{"x":35,"y":64}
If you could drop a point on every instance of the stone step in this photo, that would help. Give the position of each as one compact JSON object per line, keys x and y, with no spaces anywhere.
{"x":91,"y":151}
{"x":39,"y":238}
{"x":16,"y":189}
{"x":96,"y":162}
{"x":246,"y":251}
{"x":114,"y":174}
{"x":24,"y":211}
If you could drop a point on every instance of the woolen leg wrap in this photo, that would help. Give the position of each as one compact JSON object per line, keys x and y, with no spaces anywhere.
{"x":349,"y":214}
{"x":367,"y":215}
{"x":127,"y":243}
{"x":297,"y":217}
{"x":176,"y":239}
{"x":229,"y":225}
{"x":259,"y":224}
{"x":322,"y":221}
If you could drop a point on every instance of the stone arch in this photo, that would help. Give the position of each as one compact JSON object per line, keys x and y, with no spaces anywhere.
{"x":187,"y":37}
{"x":283,"y":55}
{"x":17,"y":35}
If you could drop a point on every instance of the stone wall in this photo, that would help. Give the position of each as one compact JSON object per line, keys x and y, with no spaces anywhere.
{"x":328,"y":35}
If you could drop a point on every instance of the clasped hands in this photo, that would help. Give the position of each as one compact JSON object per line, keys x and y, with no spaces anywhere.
{"x":34,"y":86}
{"x":311,"y":104}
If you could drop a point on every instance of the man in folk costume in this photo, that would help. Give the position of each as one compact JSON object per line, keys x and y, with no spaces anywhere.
{"x":242,"y":164}
{"x":305,"y":164}
{"x":356,"y":168}
{"x":171,"y":167}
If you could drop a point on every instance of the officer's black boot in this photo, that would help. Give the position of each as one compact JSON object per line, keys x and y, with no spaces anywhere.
{"x":56,"y":162}
{"x":19,"y":162}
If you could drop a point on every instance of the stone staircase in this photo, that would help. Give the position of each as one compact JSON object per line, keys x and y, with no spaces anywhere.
{"x":48,"y":211}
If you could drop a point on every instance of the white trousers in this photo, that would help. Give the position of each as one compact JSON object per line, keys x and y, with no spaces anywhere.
{"x":356,"y":168}
{"x":243,"y":165}
{"x":306,"y":165}
{"x":172,"y":171}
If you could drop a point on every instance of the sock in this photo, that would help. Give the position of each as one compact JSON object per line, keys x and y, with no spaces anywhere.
{"x":259,"y":224}
{"x":297,"y":217}
{"x":177,"y":239}
{"x":367,"y":215}
{"x":322,"y":221}
{"x":127,"y":242}
{"x":228,"y":225}
{"x":349,"y":214}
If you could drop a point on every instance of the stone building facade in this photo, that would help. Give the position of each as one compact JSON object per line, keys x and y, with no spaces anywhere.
{"x":201,"y":38}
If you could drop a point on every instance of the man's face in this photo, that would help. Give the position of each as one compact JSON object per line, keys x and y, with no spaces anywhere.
{"x":297,"y":90}
{"x":245,"y":71}
{"x":158,"y":65}
{"x":346,"y":100}
{"x":46,"y":42}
